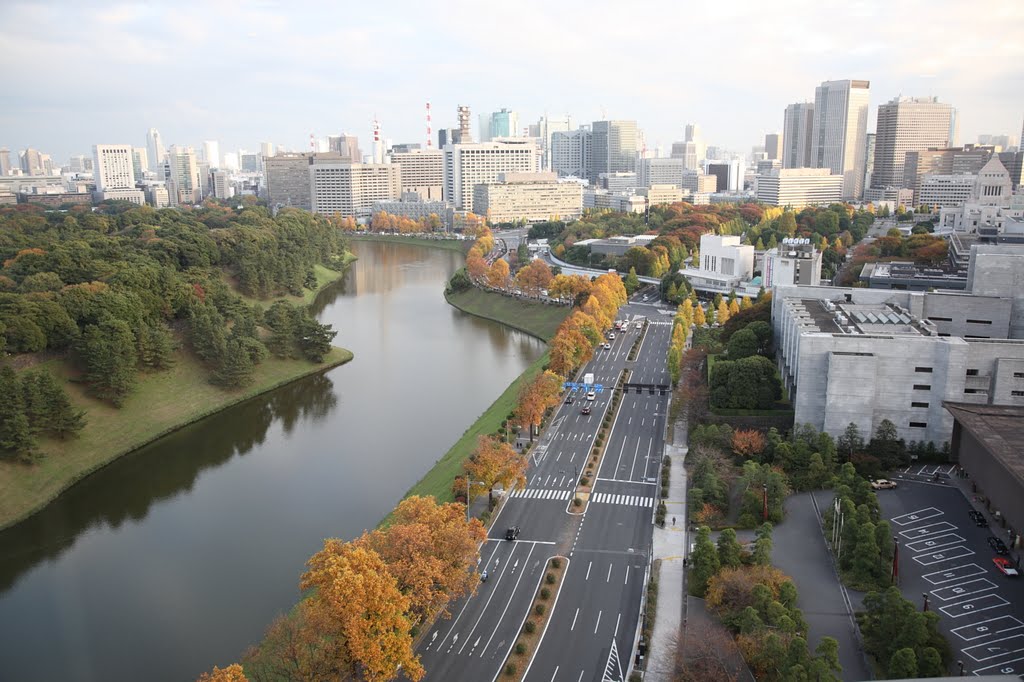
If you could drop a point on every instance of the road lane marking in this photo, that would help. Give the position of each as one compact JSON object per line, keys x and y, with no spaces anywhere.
{"x":948,"y":554}
{"x":964,"y":589}
{"x":456,"y":621}
{"x":986,"y":629}
{"x":955,"y":573}
{"x":935,"y":542}
{"x":929,"y":529}
{"x":617,"y":618}
{"x":609,"y":578}
{"x":988,"y":651}
{"x":494,"y":591}
{"x":507,"y":604}
{"x":1004,"y":668}
{"x":626,"y":581}
{"x":915,"y":516}
{"x":598,"y":623}
{"x":970,"y":606}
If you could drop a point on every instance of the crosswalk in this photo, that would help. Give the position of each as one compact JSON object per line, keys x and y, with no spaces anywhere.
{"x":543,"y":494}
{"x":632,"y":500}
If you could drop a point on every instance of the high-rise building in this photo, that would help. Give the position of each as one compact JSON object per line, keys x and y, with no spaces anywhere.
{"x":799,"y":187}
{"x":1014,"y":163}
{"x":504,"y":123}
{"x":32,"y":162}
{"x":613,"y":149}
{"x":350,"y":189}
{"x":250,"y":162}
{"x":181,"y":172}
{"x":660,"y":172}
{"x":773,"y":146}
{"x":422,"y":172}
{"x":205,"y":181}
{"x":699,"y":183}
{"x":570,"y":153}
{"x":468,"y":165}
{"x":465,"y":136}
{"x":687,"y":151}
{"x":156,"y":149}
{"x":797,"y":126}
{"x":288,"y":179}
{"x":908,"y":124}
{"x":5,"y":161}
{"x":266,"y":152}
{"x":113,"y":167}
{"x":346,"y":145}
{"x":692,"y":133}
{"x":140,"y":162}
{"x":211,"y":153}
{"x":446,"y":136}
{"x":222,"y":188}
{"x":546,"y":127}
{"x":869,"y":158}
{"x":230,"y":161}
{"x":840,"y":126}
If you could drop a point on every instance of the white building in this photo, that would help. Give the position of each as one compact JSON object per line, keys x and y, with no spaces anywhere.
{"x":222,"y":188}
{"x":422,"y":172}
{"x":725,"y":264}
{"x":140,"y":162}
{"x":528,"y":196}
{"x":623,"y":203}
{"x":547,"y":127}
{"x":991,"y":203}
{"x":415,"y":208}
{"x":660,"y":172}
{"x":211,"y":153}
{"x":909,"y":124}
{"x":472,"y":164}
{"x":340,"y":188}
{"x":794,"y":262}
{"x":157,"y":195}
{"x":798,"y":123}
{"x":613,"y":149}
{"x":946,"y":191}
{"x":181,"y":173}
{"x":619,"y":183}
{"x":663,"y":194}
{"x":114,"y":172}
{"x":799,"y":187}
{"x":156,"y":149}
{"x":840,"y":128}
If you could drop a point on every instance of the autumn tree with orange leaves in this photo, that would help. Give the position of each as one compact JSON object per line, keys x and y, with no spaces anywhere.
{"x":534,"y":277}
{"x":536,"y":397}
{"x":494,"y":462}
{"x":497,"y":275}
{"x":569,"y":286}
{"x":232,"y":673}
{"x":748,"y":444}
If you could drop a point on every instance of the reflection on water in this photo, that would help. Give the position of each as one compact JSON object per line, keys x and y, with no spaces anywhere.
{"x":176,"y":557}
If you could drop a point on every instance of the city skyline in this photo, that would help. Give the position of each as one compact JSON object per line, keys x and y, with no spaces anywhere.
{"x":165,"y":58}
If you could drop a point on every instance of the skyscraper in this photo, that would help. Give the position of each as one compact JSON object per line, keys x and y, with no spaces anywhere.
{"x":5,"y":161}
{"x":155,"y":147}
{"x":211,"y":153}
{"x":346,"y":145}
{"x":840,"y":126}
{"x":181,"y":173}
{"x":569,"y":153}
{"x":772,"y":146}
{"x":692,"y":134}
{"x":908,"y":124}
{"x":140,"y":162}
{"x":465,"y":136}
{"x":614,"y":148}
{"x":798,"y":123}
{"x":548,"y":126}
{"x":504,"y":123}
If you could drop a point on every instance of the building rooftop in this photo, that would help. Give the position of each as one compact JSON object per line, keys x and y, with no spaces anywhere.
{"x":886,"y":319}
{"x":998,"y":428}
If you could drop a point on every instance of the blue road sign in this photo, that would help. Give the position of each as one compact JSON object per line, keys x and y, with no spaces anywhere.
{"x":598,"y":388}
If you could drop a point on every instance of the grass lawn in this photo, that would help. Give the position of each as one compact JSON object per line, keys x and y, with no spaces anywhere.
{"x":161,"y":403}
{"x":324,"y":276}
{"x":460,"y":245}
{"x":538,"y":319}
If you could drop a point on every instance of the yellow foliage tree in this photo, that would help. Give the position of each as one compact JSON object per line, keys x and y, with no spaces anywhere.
{"x":494,"y":462}
{"x":722,"y":314}
{"x":497,"y":275}
{"x":746,"y":304}
{"x":734,"y":307}
{"x":535,"y":277}
{"x":699,"y":318}
{"x":232,"y":673}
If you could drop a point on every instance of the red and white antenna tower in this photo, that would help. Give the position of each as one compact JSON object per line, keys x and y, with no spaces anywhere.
{"x":429,"y":132}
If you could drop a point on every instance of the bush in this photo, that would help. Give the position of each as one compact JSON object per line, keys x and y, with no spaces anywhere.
{"x":545,"y":593}
{"x":510,"y":669}
{"x":556,"y":563}
{"x":529,"y":627}
{"x":550,"y":578}
{"x":584,"y":481}
{"x":520,"y":648}
{"x":577,"y":502}
{"x":539,"y":609}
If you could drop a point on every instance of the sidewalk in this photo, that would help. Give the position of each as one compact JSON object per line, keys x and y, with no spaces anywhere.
{"x":670,"y":546}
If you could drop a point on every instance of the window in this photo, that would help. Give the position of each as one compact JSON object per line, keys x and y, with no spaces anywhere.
{"x":919,"y":404}
{"x":972,"y":372}
{"x":1018,"y":375}
{"x":926,"y":370}
{"x":918,"y":425}
{"x":940,"y":319}
{"x":973,"y":336}
{"x":975,"y":390}
{"x":970,"y":321}
{"x":922,"y":387}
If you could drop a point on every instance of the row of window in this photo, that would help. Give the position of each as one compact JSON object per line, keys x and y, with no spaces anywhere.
{"x":935,"y":318}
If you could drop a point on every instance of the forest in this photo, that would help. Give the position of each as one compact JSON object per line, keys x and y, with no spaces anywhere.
{"x":118,"y":290}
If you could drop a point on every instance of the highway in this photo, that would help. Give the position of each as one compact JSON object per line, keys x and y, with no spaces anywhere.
{"x":608,"y":545}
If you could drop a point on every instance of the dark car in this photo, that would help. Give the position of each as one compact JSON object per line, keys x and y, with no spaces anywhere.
{"x":998,"y":546}
{"x":585,"y":410}
{"x":512,"y":533}
{"x":979,"y":519}
{"x":569,"y":400}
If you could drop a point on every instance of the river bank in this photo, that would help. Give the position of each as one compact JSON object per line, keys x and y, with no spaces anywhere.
{"x":162,"y":403}
{"x":460,"y":245}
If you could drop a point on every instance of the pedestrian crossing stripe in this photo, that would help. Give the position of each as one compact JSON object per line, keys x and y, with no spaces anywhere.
{"x":632,"y":500}
{"x":543,"y":494}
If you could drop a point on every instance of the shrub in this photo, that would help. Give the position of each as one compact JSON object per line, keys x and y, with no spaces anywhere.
{"x":550,"y":578}
{"x":510,"y":669}
{"x":584,"y":481}
{"x":556,"y":563}
{"x":577,"y":502}
{"x":529,"y":627}
{"x":539,"y":609}
{"x":545,"y":593}
{"x":520,"y":648}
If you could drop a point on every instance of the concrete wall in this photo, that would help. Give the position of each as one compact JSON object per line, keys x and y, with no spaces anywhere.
{"x":992,"y":478}
{"x":951,"y":311}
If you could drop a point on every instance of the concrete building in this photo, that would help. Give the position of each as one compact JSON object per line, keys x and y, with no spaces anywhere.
{"x":912,"y":277}
{"x":729,"y":174}
{"x":114,"y":174}
{"x":909,"y":124}
{"x":181,"y":173}
{"x":288,"y":182}
{"x":32,"y":162}
{"x":889,"y":196}
{"x":211,"y":153}
{"x":619,"y":245}
{"x":411,"y":205}
{"x":157,"y":195}
{"x":422,"y":172}
{"x":840,"y":126}
{"x":794,"y":262}
{"x":504,"y":123}
{"x":222,"y":188}
{"x":660,"y":172}
{"x":917,"y":164}
{"x":725,"y":264}
{"x":692,"y":135}
{"x":251,"y":163}
{"x":800,"y":187}
{"x":469,"y":165}
{"x":346,"y":189}
{"x":5,"y":161}
{"x":773,"y":146}
{"x":528,"y":196}
{"x":663,"y":194}
{"x":944,"y":191}
{"x":992,"y":203}
{"x":623,"y":203}
{"x":346,"y":147}
{"x":570,"y":153}
{"x":546,"y":128}
{"x":699,"y":183}
{"x":797,"y":126}
{"x":988,"y":442}
{"x":140,"y":162}
{"x":1013,"y":162}
{"x":156,"y":151}
{"x":687,"y":152}
{"x":464,"y":135}
{"x":613,"y":148}
{"x":618,"y":183}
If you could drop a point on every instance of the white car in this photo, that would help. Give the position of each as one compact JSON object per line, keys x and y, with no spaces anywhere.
{"x":883,"y":484}
{"x":592,"y":396}
{"x":639,"y":325}
{"x":607,"y":346}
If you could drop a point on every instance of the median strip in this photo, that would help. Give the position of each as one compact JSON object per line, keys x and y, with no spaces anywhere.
{"x":584,"y":486}
{"x":535,"y":623}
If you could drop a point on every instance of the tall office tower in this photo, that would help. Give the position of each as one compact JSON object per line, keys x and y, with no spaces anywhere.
{"x":465,"y":137}
{"x":205,"y":182}
{"x":287,"y":177}
{"x":446,"y":136}
{"x":692,"y":134}
{"x":798,"y":123}
{"x":546,"y":127}
{"x":966,"y":160}
{"x":840,"y":125}
{"x":211,"y":153}
{"x":157,"y":152}
{"x":613,"y":149}
{"x":869,"y":158}
{"x":422,"y":172}
{"x":181,"y":172}
{"x":32,"y":162}
{"x":231,"y":160}
{"x":114,"y":171}
{"x":346,"y":145}
{"x":570,"y":152}
{"x":908,"y":124}
{"x":266,"y":149}
{"x":338,"y":187}
{"x":222,"y":184}
{"x":468,"y":165}
{"x":773,"y":146}
{"x":140,"y":162}
{"x":484,"y":122}
{"x":687,"y":151}
{"x":5,"y":161}
{"x":78,"y":163}
{"x":504,"y":123}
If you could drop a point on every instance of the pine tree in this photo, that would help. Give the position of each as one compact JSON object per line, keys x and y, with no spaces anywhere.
{"x":314,"y":339}
{"x":155,"y":346}
{"x":237,"y":368}
{"x":280,"y":319}
{"x":63,"y":420}
{"x":703,"y":562}
{"x":108,"y":353}
{"x":15,"y":433}
{"x":33,"y":402}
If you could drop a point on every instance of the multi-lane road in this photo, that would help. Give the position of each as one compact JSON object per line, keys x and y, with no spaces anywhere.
{"x":607,"y":545}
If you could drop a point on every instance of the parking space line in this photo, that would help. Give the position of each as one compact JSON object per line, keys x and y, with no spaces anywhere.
{"x":930,"y":529}
{"x":984,"y":629}
{"x":935,"y":543}
{"x":915,"y":516}
{"x":969,"y":606}
{"x":1004,"y":668}
{"x":955,"y":573}
{"x":964,"y":589}
{"x":954,"y":552}
{"x":991,"y":652}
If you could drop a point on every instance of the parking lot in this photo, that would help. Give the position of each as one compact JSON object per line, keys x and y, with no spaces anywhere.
{"x":945,"y":559}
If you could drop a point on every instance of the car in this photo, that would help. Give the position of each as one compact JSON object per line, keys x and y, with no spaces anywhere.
{"x":611,"y":336}
{"x":979,"y":519}
{"x":569,"y":400}
{"x":585,"y":410}
{"x":1005,"y":567}
{"x":483,"y":577}
{"x":512,"y":533}
{"x":607,"y":346}
{"x":883,"y":484}
{"x":592,"y":396}
{"x":639,"y":325}
{"x":998,"y":546}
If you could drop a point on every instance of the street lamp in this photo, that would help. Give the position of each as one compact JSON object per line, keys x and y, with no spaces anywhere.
{"x":468,"y":482}
{"x":961,"y":664}
{"x":895,"y":560}
{"x":764,"y":487}
{"x":925,"y":607}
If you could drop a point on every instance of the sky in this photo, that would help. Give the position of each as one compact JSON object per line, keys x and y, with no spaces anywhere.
{"x":82,"y":73}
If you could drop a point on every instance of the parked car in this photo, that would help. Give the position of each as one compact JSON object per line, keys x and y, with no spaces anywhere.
{"x":998,"y":546}
{"x":883,"y":484}
{"x":979,"y":519}
{"x":512,"y":533}
{"x":1005,"y":567}
{"x":585,"y":410}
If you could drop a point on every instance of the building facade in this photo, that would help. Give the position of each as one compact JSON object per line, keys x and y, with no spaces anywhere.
{"x":349,"y":190}
{"x":917,"y":164}
{"x":800,"y":187}
{"x":412,"y":206}
{"x":909,"y":124}
{"x":570,"y":153}
{"x":469,"y":165}
{"x":181,"y":173}
{"x":287,"y":178}
{"x":945,"y":191}
{"x":992,"y":203}
{"x":797,"y":126}
{"x":794,"y":262}
{"x":346,"y":146}
{"x":613,"y":148}
{"x":838,"y":134}
{"x":699,"y":183}
{"x":422,"y":172}
{"x":528,"y":196}
{"x":660,"y":172}
{"x":773,"y":146}
{"x":156,"y":149}
{"x":663,"y":194}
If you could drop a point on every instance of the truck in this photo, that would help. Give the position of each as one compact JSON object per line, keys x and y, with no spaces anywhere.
{"x":588,"y":379}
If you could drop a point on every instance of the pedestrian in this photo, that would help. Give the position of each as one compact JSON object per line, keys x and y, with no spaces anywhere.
{"x":673,"y":521}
